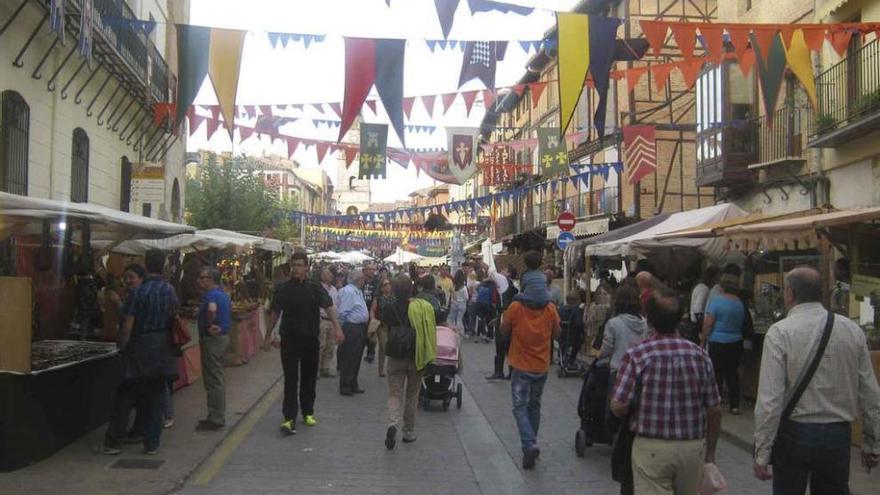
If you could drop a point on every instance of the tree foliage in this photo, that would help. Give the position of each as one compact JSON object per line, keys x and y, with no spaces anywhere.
{"x":233,"y":196}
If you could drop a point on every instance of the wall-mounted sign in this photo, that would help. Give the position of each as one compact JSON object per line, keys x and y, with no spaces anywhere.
{"x":148,"y":183}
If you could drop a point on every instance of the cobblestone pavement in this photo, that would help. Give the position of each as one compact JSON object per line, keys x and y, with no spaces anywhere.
{"x":474,"y":450}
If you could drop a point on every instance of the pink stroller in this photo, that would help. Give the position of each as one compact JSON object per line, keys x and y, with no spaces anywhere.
{"x":439,"y":381}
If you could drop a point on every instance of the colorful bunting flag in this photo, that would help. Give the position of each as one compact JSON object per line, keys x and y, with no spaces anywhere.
{"x":800,"y":63}
{"x":504,"y":8}
{"x":480,"y":61}
{"x":193,"y":42}
{"x":573,"y":62}
{"x":770,"y":58}
{"x":87,"y":30}
{"x":374,"y":141}
{"x":552,"y":153}
{"x":446,"y":14}
{"x":603,"y":34}
{"x":224,"y":65}
{"x":462,"y":152}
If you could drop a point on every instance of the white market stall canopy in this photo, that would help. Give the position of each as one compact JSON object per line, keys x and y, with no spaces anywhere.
{"x":202,"y":240}
{"x":655,"y":237}
{"x":401,"y":257}
{"x":432,"y":261}
{"x":25,"y":215}
{"x":354,"y":257}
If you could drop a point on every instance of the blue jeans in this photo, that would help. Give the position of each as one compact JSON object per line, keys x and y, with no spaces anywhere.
{"x":526,"y":389}
{"x":813,"y":453}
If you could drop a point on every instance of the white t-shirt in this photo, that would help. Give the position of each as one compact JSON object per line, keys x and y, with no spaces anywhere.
{"x":699,"y":297}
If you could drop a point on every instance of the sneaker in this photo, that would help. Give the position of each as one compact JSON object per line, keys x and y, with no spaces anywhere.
{"x":111,"y":450}
{"x":208,"y":425}
{"x":288,"y":427}
{"x":391,"y":437}
{"x":168,"y":423}
{"x":409,"y":437}
{"x":529,"y":457}
{"x":310,"y":420}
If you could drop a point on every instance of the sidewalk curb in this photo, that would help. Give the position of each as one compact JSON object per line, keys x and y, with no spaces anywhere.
{"x":181,"y":483}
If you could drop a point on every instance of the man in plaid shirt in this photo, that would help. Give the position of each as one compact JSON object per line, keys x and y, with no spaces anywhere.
{"x":676,"y":413}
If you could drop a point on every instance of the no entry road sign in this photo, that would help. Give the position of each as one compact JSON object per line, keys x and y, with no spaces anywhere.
{"x":565,"y":221}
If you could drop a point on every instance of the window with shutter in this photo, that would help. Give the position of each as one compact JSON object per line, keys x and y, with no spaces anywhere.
{"x":14,"y":137}
{"x":79,"y":168}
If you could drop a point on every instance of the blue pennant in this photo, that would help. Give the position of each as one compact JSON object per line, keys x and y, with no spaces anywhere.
{"x":526,"y":46}
{"x":585,"y":178}
{"x":432,"y":45}
{"x":273,"y":39}
{"x":618,"y":167}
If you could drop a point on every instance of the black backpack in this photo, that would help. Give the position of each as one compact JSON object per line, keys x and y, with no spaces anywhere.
{"x":401,"y":342}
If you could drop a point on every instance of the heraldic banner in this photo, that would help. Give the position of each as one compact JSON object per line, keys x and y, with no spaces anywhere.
{"x":374,"y":140}
{"x":462,"y":146}
{"x":552,"y":153}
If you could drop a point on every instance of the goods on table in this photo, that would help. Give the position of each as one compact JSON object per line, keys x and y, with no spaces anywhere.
{"x":54,"y":353}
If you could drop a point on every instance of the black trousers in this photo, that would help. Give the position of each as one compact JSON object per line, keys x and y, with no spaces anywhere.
{"x":351,"y":353}
{"x":502,"y":347}
{"x":812,"y":453}
{"x":145,"y":393}
{"x":299,"y":358}
{"x":485,"y":314}
{"x":725,"y":360}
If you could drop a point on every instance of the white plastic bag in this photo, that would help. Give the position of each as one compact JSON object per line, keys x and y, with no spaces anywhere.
{"x":713,"y":480}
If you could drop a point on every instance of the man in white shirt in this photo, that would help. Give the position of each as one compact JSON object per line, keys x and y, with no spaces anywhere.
{"x":813,"y":444}
{"x":700,"y":295}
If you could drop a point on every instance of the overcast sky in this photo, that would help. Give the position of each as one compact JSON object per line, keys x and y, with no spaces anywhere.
{"x":316,"y":75}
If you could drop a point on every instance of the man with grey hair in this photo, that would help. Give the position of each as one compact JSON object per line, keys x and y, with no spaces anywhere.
{"x":215,"y":320}
{"x":354,"y":316}
{"x":813,"y":443}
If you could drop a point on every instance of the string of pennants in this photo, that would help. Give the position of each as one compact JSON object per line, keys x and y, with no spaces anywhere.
{"x":395,"y":234}
{"x":472,"y":206}
{"x":283,"y":40}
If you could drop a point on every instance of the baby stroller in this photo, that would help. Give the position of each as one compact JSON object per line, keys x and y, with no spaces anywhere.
{"x":439,"y":381}
{"x":592,"y":405}
{"x":570,"y":341}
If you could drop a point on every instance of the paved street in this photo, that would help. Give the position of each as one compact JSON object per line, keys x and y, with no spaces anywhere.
{"x":474,"y":450}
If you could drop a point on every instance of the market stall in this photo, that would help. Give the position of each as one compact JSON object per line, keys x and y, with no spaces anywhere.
{"x":57,"y":376}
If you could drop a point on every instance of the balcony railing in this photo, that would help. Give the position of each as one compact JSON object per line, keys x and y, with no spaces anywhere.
{"x":849,"y":98}
{"x":783,"y":140}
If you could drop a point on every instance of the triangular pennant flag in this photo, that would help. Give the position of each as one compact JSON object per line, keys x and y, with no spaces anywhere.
{"x":428,"y":101}
{"x":307,"y":40}
{"x":193,"y":42}
{"x":318,"y":106}
{"x":839,"y":39}
{"x":292,"y":145}
{"x":469,"y":98}
{"x":322,"y":149}
{"x":273,"y":39}
{"x":655,"y":33}
{"x":814,"y":37}
{"x":519,"y":89}
{"x":224,"y":65}
{"x":446,"y":14}
{"x":661,"y":72}
{"x":786,"y":31}
{"x":747,"y":61}
{"x":685,"y":36}
{"x":448,"y":99}
{"x":350,"y":153}
{"x":488,"y":98}
{"x":408,"y":106}
{"x":800,"y":63}
{"x":389,"y":81}
{"x":360,"y":74}
{"x":713,"y":34}
{"x":573,"y":62}
{"x":337,"y":109}
{"x":690,"y":70}
{"x":525,"y":45}
{"x":739,"y":37}
{"x":633,"y":76}
{"x":771,"y":70}
{"x":763,"y":37}
{"x":266,"y":110}
{"x":245,"y":133}
{"x":372,"y":105}
{"x":213,"y":126}
{"x":285,"y":39}
{"x":603,"y":31}
{"x":432,"y":45}
{"x":537,"y":89}
{"x":251,"y":111}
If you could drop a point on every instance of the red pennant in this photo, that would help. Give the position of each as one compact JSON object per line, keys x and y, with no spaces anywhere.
{"x":337,"y":109}
{"x":739,"y":36}
{"x":714,"y":36}
{"x":488,"y":98}
{"x":814,"y":37}
{"x":690,"y":70}
{"x":661,"y":74}
{"x":194,"y":123}
{"x":685,"y":37}
{"x":266,"y":109}
{"x":372,"y":105}
{"x":469,"y":98}
{"x":213,"y":125}
{"x":519,"y":89}
{"x":633,"y":76}
{"x":323,"y":148}
{"x":428,"y":101}
{"x":162,"y":111}
{"x":787,"y":31}
{"x":408,"y":106}
{"x":537,"y":89}
{"x":360,"y":74}
{"x":448,"y":98}
{"x":292,"y":145}
{"x":764,"y":36}
{"x":245,"y":133}
{"x":839,"y":39}
{"x":251,"y":111}
{"x":215,"y":112}
{"x":655,"y":33}
{"x":747,"y":61}
{"x":350,"y":153}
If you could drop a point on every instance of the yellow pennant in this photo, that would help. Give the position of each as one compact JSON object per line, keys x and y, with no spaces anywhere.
{"x":224,"y":66}
{"x":574,"y":60}
{"x":798,"y":57}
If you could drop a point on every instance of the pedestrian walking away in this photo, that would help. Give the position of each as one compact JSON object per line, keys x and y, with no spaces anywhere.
{"x":354,"y":316}
{"x":669,"y":384}
{"x":530,"y":331}
{"x":816,"y":376}
{"x":371,"y":287}
{"x":385,"y":298}
{"x":327,"y":337}
{"x":723,"y":324}
{"x":298,"y":303}
{"x":148,"y":357}
{"x":215,"y":320}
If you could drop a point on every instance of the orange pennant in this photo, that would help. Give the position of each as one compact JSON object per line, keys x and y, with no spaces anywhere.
{"x":764,"y":36}
{"x":655,"y":33}
{"x":633,"y":75}
{"x":685,"y":37}
{"x":739,"y":36}
{"x":714,"y":36}
{"x":815,"y":37}
{"x":747,"y":61}
{"x":661,"y":74}
{"x":537,"y":89}
{"x":690,"y":70}
{"x":839,"y":39}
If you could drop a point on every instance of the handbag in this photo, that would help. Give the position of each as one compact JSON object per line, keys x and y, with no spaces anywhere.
{"x":179,"y":333}
{"x":373,"y":327}
{"x":804,"y":381}
{"x":401,"y":341}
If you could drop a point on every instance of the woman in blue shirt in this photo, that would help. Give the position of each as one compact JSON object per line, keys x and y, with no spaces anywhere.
{"x":723,"y":330}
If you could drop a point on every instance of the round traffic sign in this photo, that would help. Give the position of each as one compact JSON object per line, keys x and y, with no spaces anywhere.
{"x":564,"y":239}
{"x":566,"y":221}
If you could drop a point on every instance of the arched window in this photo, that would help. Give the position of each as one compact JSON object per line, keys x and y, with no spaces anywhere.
{"x":175,"y":201}
{"x":125,"y":185}
{"x":79,"y":167}
{"x":352,"y":210}
{"x":14,"y":137}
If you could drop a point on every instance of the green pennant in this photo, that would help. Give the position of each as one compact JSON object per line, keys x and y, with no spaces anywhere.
{"x":552,"y":153}
{"x":193,"y":47}
{"x":374,"y":140}
{"x":770,"y":73}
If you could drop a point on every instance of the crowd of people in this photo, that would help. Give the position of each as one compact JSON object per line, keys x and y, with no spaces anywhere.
{"x":669,"y":362}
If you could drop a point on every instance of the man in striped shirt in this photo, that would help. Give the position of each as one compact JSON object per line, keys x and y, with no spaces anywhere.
{"x":676,"y":416}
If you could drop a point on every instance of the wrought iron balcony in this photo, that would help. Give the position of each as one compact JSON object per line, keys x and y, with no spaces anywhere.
{"x":849,"y":98}
{"x":783,"y":140}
